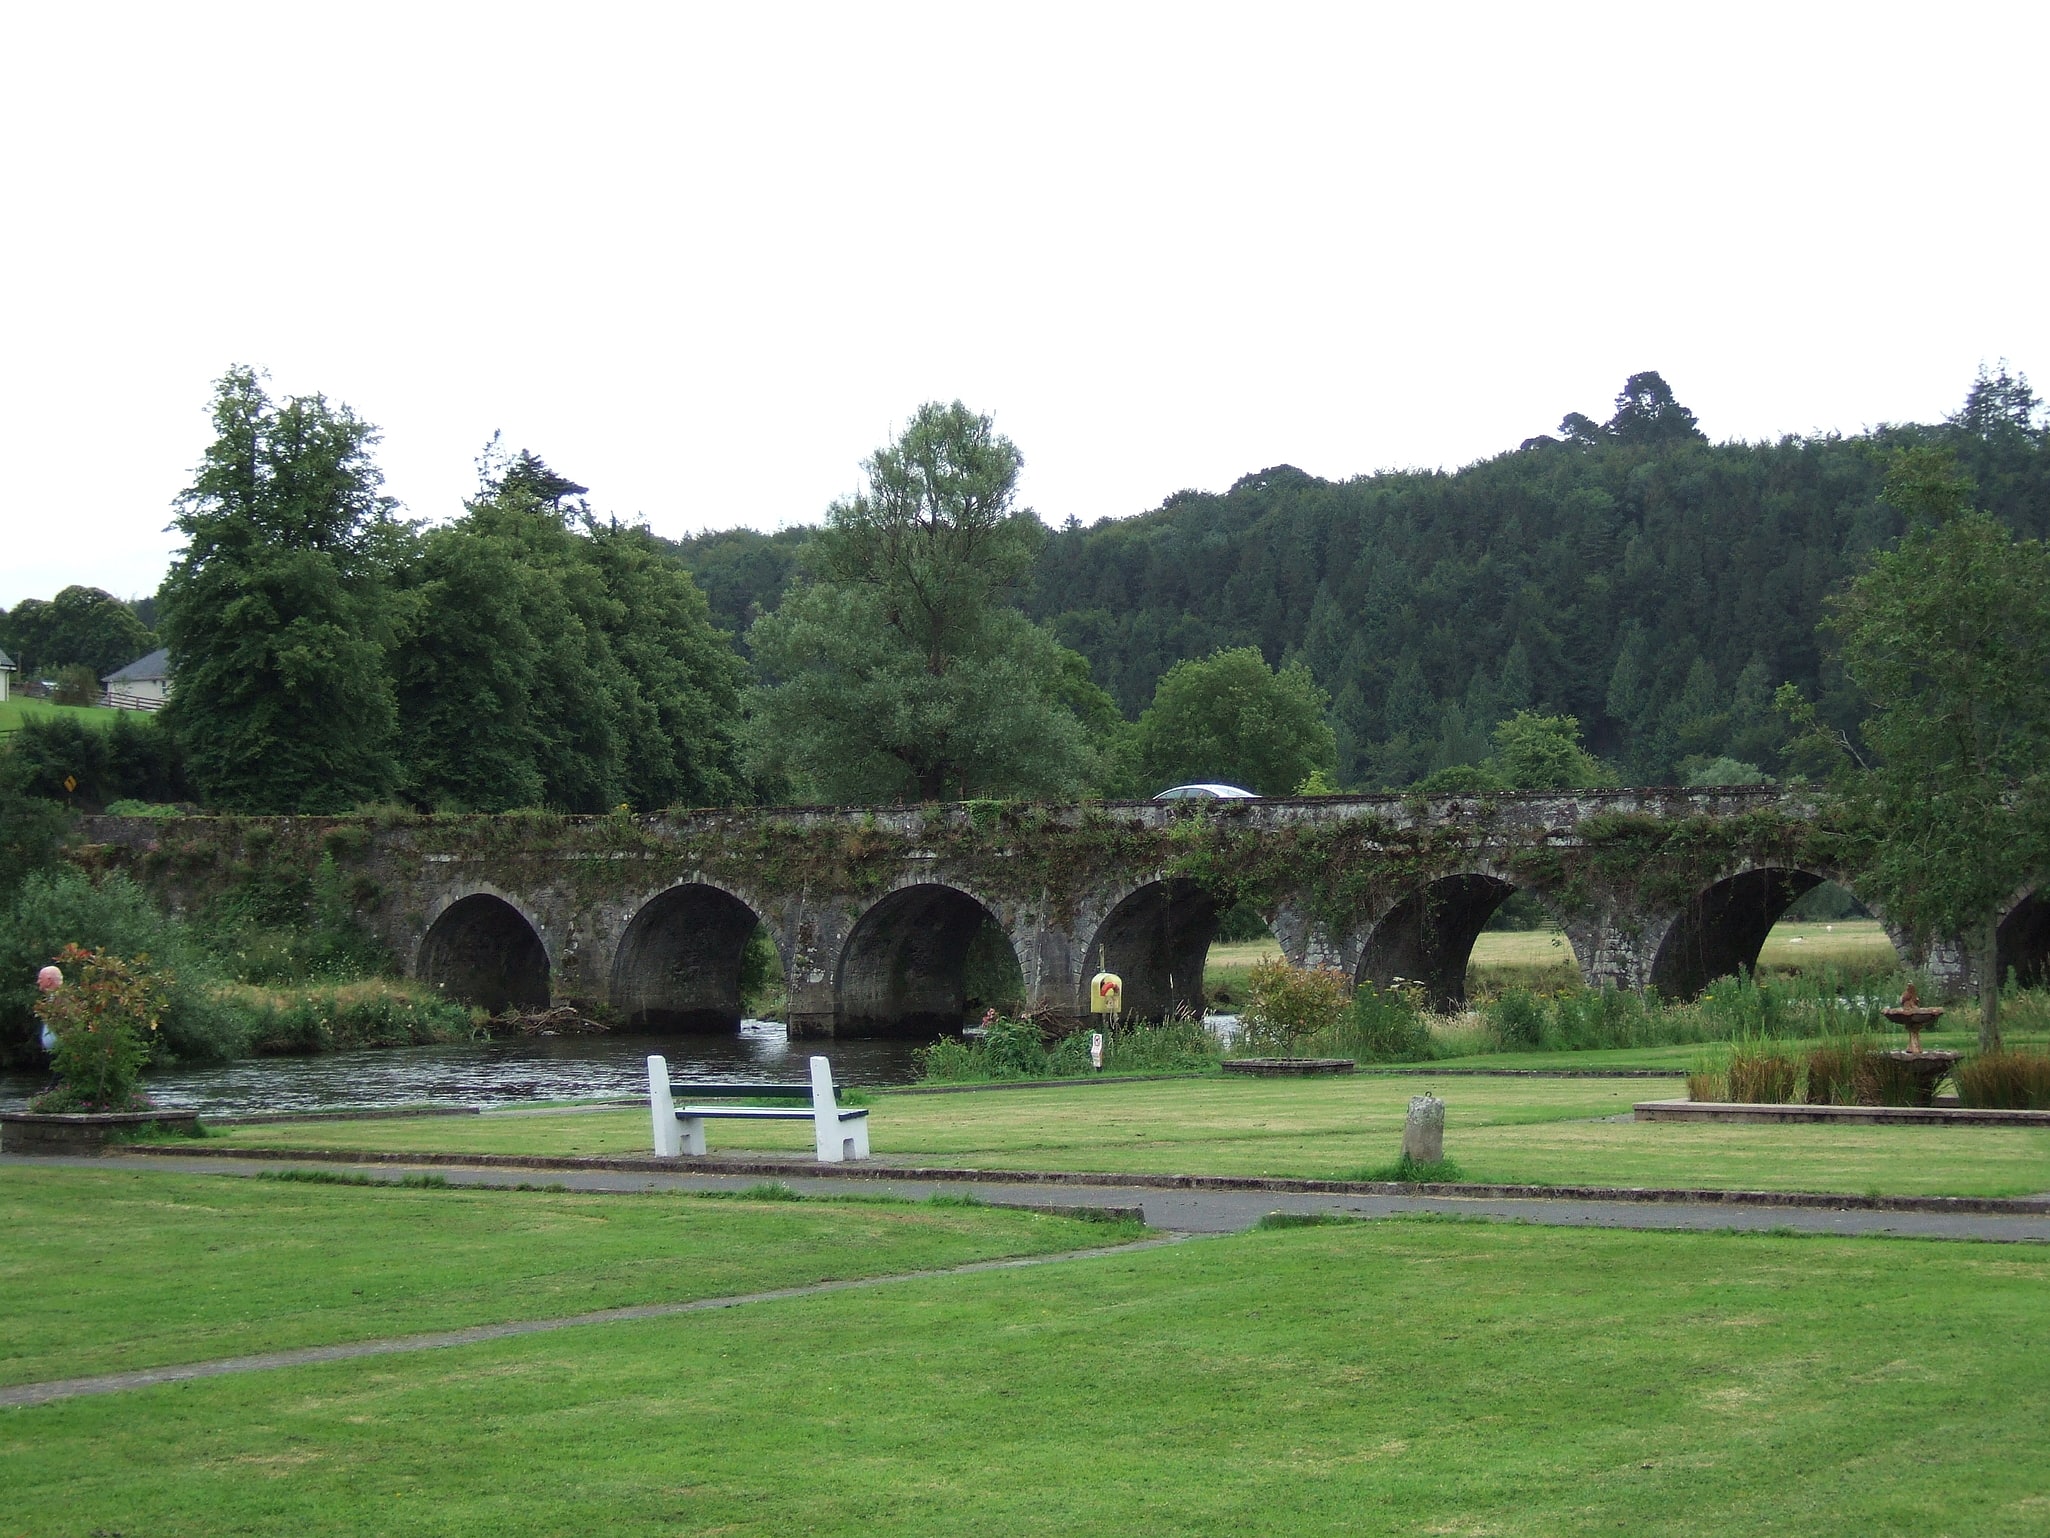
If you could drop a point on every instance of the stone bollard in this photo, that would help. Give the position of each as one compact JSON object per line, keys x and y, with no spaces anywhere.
{"x":1423,"y":1137}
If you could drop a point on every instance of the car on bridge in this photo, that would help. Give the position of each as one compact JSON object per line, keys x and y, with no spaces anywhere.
{"x":1207,"y":792}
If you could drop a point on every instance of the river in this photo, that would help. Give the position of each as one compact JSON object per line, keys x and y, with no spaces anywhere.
{"x":497,"y":1073}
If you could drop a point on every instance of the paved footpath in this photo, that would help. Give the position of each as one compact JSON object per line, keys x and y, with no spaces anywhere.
{"x":1183,"y":1211}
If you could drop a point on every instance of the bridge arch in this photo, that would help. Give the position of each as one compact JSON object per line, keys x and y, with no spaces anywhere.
{"x":678,"y":963}
{"x":903,"y":968}
{"x":2023,"y":941}
{"x":1156,"y":939}
{"x":1723,"y":928}
{"x":483,"y":949}
{"x":1428,"y":936}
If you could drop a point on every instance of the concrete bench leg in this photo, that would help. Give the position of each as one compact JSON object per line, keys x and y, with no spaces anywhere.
{"x":858,"y":1137}
{"x":692,"y":1133}
{"x":662,"y":1111}
{"x":832,"y":1143}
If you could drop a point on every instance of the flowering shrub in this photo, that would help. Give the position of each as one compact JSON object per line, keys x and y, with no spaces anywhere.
{"x":105,"y":1021}
{"x":1286,"y":1004}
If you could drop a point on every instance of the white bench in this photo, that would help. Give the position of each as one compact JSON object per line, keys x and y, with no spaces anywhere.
{"x":679,"y":1130}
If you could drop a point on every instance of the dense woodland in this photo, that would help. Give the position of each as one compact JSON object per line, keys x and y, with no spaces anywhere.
{"x":1632,"y":574}
{"x":1629,"y":574}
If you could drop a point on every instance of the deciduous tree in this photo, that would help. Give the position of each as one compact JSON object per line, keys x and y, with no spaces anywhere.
{"x":1234,"y":719}
{"x":1948,"y":636}
{"x":901,"y":666}
{"x":275,"y":611}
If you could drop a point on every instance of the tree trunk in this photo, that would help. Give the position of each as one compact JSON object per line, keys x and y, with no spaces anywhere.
{"x":1988,"y":968}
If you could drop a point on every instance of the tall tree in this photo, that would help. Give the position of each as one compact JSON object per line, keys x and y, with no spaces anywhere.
{"x":1234,"y":719}
{"x":275,"y":611}
{"x":87,"y":626}
{"x":902,"y":666}
{"x":1948,"y":636}
{"x":553,"y":659}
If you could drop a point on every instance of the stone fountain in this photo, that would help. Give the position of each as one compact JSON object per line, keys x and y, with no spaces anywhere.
{"x":1923,"y":1070}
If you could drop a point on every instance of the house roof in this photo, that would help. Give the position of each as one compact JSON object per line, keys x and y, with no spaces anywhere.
{"x":143,"y":669}
{"x":6,"y":662}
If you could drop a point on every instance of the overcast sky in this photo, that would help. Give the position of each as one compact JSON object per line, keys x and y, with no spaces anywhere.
{"x":705,"y":259}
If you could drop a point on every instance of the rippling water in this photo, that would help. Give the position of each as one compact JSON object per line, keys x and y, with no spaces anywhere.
{"x":500,"y":1073}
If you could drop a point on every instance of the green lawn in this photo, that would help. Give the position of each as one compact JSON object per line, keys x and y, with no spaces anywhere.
{"x":1396,"y":1377}
{"x":1555,"y":1131}
{"x":15,"y":710}
{"x":108,"y":1270}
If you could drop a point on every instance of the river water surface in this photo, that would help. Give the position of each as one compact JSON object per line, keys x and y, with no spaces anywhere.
{"x":499,"y":1073}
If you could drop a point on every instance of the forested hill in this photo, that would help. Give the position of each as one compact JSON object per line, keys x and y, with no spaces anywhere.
{"x":1653,"y":584}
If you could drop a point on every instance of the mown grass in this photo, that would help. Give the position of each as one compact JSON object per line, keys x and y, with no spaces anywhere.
{"x":1514,"y":1131}
{"x":16,"y":711}
{"x":1376,"y":1378}
{"x":107,"y":1270}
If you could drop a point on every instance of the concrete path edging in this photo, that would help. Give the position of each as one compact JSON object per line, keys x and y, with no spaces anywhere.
{"x":717,"y":1164}
{"x":1856,"y":1115}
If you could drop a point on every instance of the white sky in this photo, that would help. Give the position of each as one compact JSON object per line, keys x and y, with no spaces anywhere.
{"x":704,"y":259}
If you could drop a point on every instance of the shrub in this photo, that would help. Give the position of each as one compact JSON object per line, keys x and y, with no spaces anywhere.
{"x":2004,"y":1081}
{"x":63,"y":907}
{"x":1385,"y":1025}
{"x":1518,"y":1017}
{"x":1012,"y":1050}
{"x":104,"y":1018}
{"x":1286,"y":1004}
{"x":76,"y":685}
{"x":1174,"y":1046}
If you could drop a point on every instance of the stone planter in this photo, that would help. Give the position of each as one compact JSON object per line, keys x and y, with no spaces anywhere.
{"x":1277,"y":1067}
{"x":35,"y":1132}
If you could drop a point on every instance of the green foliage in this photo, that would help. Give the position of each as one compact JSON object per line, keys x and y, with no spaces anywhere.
{"x":104,"y":1019}
{"x":1413,"y":1171}
{"x":1013,"y":1050}
{"x":275,"y":610}
{"x":1948,"y":635}
{"x":1385,"y":1025}
{"x":1232,"y":718}
{"x":63,"y":907}
{"x":1461,"y":780}
{"x":135,"y":758}
{"x":1287,"y":1005}
{"x":84,"y":627}
{"x":32,"y":831}
{"x":903,"y":668}
{"x":336,"y":1017}
{"x":1722,"y":771}
{"x":551,"y":658}
{"x":1535,"y":752}
{"x":76,"y":685}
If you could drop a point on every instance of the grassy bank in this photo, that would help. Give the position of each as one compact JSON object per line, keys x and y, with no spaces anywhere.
{"x":1396,"y":1377}
{"x":1517,"y":1131}
{"x":110,"y":1270}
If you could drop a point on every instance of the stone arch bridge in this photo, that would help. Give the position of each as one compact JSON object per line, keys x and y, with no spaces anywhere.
{"x":874,"y":912}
